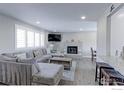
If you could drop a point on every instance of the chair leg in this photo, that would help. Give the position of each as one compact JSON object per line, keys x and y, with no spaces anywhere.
{"x":92,"y":58}
{"x":100,"y":76}
{"x":96,"y":74}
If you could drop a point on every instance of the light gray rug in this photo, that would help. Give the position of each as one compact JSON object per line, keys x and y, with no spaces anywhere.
{"x":84,"y":73}
{"x":69,"y":75}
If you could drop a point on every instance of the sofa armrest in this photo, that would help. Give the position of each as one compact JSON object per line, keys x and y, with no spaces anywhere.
{"x":44,"y":58}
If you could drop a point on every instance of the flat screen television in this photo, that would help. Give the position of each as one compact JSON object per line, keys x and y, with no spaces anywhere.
{"x":54,"y":37}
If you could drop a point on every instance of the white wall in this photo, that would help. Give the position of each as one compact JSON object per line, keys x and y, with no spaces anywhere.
{"x":86,"y":39}
{"x":101,"y":36}
{"x":103,"y":39}
{"x":7,"y":31}
{"x":117,"y":32}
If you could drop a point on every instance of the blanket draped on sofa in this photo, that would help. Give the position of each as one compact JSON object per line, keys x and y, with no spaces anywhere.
{"x":13,"y":73}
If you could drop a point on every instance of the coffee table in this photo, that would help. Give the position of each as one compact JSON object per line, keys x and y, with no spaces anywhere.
{"x":67,"y":62}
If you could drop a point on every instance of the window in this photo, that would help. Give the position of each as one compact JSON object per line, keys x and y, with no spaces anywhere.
{"x":42,"y":40}
{"x":27,"y":38}
{"x":30,"y":39}
{"x":20,"y":40}
{"x":37,"y":39}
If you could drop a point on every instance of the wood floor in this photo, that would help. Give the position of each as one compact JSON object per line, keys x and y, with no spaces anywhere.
{"x":85,"y":72}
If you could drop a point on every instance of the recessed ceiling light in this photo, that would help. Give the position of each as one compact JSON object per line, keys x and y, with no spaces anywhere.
{"x":81,"y":29}
{"x":83,"y":17}
{"x":37,"y":22}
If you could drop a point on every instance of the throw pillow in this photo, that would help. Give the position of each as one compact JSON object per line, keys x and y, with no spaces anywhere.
{"x":44,"y":51}
{"x":21,"y":55}
{"x":9,"y":55}
{"x":37,"y":54}
{"x":5,"y":58}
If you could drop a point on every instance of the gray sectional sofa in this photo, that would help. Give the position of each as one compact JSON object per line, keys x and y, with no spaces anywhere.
{"x":30,"y":67}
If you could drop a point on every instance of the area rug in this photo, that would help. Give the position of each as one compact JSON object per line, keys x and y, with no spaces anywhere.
{"x":69,"y":75}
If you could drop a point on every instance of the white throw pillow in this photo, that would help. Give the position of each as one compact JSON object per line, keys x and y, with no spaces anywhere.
{"x":21,"y":55}
{"x":5,"y":58}
{"x":9,"y":55}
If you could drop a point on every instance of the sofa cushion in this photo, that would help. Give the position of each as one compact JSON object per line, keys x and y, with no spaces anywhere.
{"x":26,"y":60}
{"x":49,"y":74}
{"x":57,"y":55}
{"x":44,"y":58}
{"x":20,"y":55}
{"x":9,"y":55}
{"x":5,"y":58}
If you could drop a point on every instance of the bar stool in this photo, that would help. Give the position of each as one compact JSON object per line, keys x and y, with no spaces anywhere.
{"x":93,"y":54}
{"x":111,"y":77}
{"x":117,"y":83}
{"x":99,"y":66}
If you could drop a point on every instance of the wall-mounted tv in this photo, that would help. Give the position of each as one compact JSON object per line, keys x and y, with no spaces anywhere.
{"x":54,"y":37}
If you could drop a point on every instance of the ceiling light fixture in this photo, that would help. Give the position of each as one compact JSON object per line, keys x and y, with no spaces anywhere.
{"x":83,"y":17}
{"x":81,"y":29}
{"x":37,"y":22}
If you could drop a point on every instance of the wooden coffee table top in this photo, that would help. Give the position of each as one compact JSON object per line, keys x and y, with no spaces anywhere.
{"x":61,"y":59}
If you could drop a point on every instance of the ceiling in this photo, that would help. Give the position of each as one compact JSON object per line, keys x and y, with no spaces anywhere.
{"x":60,"y":17}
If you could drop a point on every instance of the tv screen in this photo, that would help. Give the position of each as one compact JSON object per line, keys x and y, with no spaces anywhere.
{"x":54,"y":37}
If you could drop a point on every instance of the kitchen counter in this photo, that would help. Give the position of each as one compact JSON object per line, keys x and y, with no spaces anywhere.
{"x":116,"y":62}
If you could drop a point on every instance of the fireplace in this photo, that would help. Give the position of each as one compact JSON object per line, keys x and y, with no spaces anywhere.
{"x":72,"y":49}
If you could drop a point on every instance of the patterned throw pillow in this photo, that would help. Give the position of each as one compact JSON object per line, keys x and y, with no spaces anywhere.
{"x":44,"y":51}
{"x":38,"y":54}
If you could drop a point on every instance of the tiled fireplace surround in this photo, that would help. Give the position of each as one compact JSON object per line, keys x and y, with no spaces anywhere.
{"x":74,"y":48}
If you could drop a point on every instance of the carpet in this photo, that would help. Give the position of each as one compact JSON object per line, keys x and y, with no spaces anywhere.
{"x":69,"y":75}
